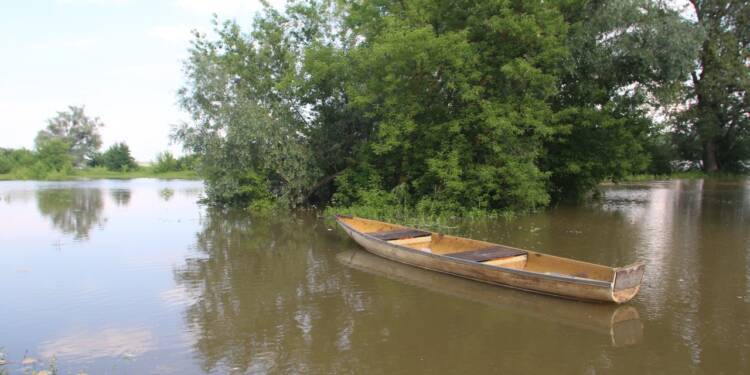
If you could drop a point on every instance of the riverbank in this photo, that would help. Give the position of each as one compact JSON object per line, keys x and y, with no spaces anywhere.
{"x":94,"y":173}
{"x":691,"y":175}
{"x":438,"y":216}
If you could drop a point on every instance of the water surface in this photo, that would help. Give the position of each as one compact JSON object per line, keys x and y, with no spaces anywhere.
{"x":135,"y":277}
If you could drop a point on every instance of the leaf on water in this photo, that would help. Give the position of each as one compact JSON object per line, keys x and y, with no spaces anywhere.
{"x":43,"y":372}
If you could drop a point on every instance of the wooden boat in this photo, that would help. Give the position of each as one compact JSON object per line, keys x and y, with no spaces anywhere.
{"x":621,"y":323}
{"x":495,"y":264}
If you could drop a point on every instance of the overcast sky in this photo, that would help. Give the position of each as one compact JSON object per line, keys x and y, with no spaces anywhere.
{"x":122,"y":59}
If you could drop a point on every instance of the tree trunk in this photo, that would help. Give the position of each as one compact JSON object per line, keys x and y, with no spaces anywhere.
{"x":709,"y":156}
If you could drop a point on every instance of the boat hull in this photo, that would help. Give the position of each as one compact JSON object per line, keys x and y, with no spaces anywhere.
{"x":557,"y":285}
{"x":620,"y":322}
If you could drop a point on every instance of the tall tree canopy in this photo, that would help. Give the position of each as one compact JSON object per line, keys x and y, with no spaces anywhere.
{"x":118,"y":158}
{"x":79,"y":131}
{"x":434,"y":104}
{"x":627,"y":57}
{"x":716,"y":127}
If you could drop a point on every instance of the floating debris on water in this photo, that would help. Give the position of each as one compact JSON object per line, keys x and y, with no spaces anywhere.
{"x":27,"y":361}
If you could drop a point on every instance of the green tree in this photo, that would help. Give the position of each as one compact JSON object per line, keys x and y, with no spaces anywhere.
{"x":249,"y":126}
{"x":165,"y":162}
{"x":53,"y":154}
{"x":716,"y":127}
{"x":79,"y":131}
{"x":118,"y":158}
{"x":459,"y":95}
{"x":6,"y":163}
{"x":627,"y":57}
{"x":431,"y":104}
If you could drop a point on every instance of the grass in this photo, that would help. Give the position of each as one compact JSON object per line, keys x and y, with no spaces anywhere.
{"x":416,"y":218}
{"x":690,"y":175}
{"x":97,"y":173}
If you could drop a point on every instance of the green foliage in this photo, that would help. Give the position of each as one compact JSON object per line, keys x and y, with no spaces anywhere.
{"x":247,"y":115}
{"x":459,"y":96}
{"x":433,"y":107}
{"x":79,"y":131}
{"x":627,"y":57}
{"x":715,"y":128}
{"x":20,"y":162}
{"x":661,"y":152}
{"x":118,"y":158}
{"x":6,"y":165}
{"x":53,"y":155}
{"x":166,"y":162}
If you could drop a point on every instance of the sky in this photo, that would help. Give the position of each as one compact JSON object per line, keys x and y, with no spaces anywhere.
{"x":121,"y":59}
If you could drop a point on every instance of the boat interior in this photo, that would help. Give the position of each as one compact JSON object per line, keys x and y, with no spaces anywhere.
{"x":479,"y":251}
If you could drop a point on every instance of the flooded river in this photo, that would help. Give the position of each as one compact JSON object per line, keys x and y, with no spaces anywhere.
{"x":135,"y":277}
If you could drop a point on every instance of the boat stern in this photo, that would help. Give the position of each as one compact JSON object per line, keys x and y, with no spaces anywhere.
{"x":627,"y":282}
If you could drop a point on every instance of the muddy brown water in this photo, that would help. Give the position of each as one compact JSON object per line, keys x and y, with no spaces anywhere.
{"x":135,"y":277}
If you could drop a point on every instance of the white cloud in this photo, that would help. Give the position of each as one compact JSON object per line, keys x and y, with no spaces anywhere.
{"x":173,"y":33}
{"x":221,"y":7}
{"x":92,"y":2}
{"x":60,"y":44}
{"x":226,"y":8}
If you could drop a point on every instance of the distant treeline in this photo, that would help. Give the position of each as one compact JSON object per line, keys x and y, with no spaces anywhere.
{"x":69,"y":143}
{"x":454,"y":106}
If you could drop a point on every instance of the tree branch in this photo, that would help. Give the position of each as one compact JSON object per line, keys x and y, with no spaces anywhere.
{"x":322,"y":182}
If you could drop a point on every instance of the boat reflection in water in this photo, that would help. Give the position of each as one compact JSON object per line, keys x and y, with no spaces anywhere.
{"x":621,"y":323}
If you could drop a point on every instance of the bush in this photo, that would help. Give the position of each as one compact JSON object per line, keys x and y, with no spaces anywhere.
{"x":118,"y":158}
{"x":94,"y":159}
{"x":165,"y":162}
{"x":53,"y":155}
{"x":6,"y":165}
{"x":25,"y":164}
{"x":188,"y":163}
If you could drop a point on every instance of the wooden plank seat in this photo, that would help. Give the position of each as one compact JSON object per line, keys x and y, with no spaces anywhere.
{"x":400,"y":234}
{"x":487,"y":253}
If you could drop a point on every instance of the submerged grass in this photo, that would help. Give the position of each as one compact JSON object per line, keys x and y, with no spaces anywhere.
{"x":413,"y":217}
{"x":98,"y":172}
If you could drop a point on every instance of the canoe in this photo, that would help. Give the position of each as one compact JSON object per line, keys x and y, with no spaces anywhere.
{"x":495,"y":264}
{"x":621,"y":323}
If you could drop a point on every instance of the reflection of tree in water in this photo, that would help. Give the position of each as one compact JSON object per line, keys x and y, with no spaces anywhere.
{"x":268,"y":295}
{"x":121,"y":197}
{"x":73,"y":211}
{"x":256,"y":291}
{"x":166,"y":194}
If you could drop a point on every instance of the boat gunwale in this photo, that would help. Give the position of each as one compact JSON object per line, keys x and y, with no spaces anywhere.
{"x":569,"y":279}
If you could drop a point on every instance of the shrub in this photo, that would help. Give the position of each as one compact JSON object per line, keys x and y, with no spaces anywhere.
{"x":118,"y":158}
{"x":53,"y":155}
{"x":6,"y":165}
{"x":165,"y":162}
